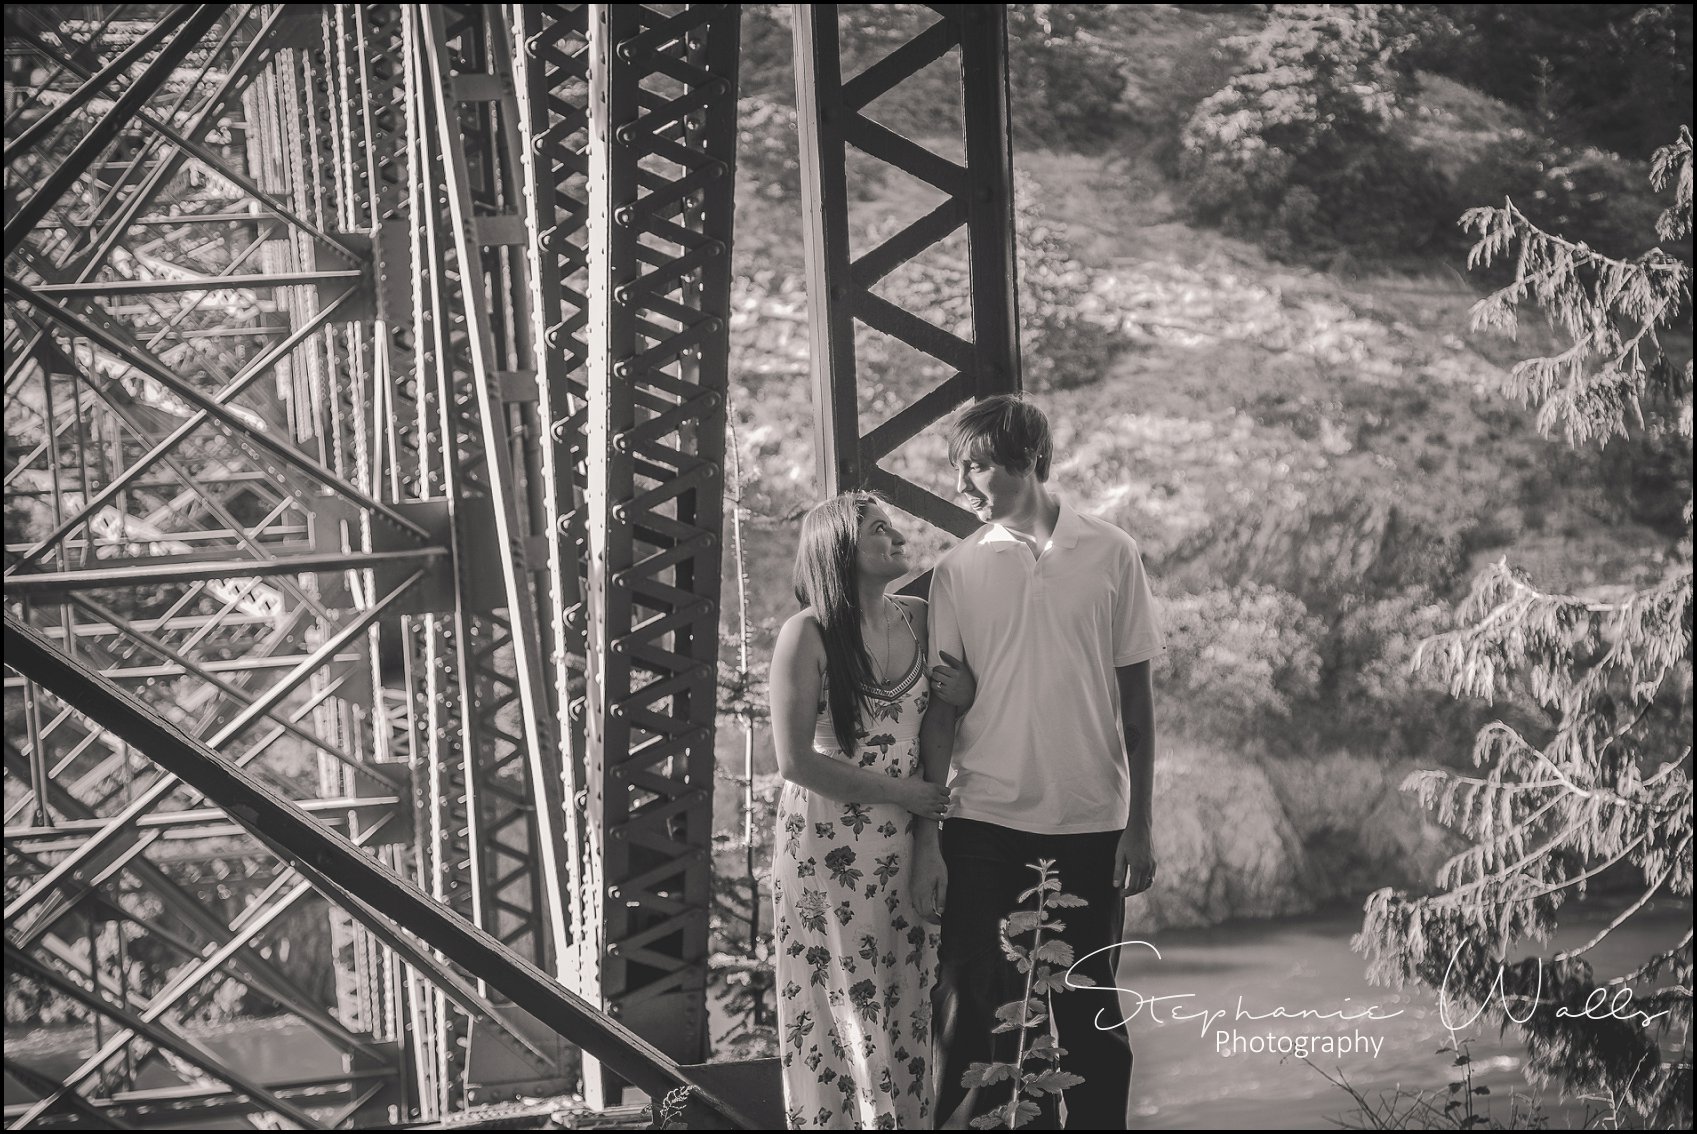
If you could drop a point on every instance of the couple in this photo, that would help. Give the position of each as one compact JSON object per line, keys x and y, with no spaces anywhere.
{"x":920,"y":787}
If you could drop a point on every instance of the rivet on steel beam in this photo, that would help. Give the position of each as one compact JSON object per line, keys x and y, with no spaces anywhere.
{"x":621,"y":442}
{"x":720,"y":85}
{"x":711,"y":472}
{"x":714,"y":324}
{"x":710,"y":400}
{"x":612,"y":948}
{"x":622,"y":294}
{"x":623,"y":216}
{"x":622,"y":368}
{"x":562,"y":429}
{"x":626,"y":134}
{"x":614,"y":892}
{"x":621,"y":513}
{"x":626,"y":50}
{"x":615,"y":1011}
{"x":617,"y":833}
{"x":715,"y":247}
{"x":716,"y":170}
{"x":618,"y":712}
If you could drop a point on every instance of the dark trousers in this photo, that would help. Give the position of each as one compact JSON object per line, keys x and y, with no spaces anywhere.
{"x":988,"y":870}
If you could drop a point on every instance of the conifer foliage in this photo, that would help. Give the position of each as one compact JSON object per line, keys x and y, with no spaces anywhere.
{"x":1608,"y":781}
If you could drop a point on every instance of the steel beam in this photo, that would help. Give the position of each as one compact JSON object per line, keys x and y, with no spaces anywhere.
{"x":979,"y":198}
{"x":31,"y":212}
{"x":336,"y":867}
{"x":663,"y":157}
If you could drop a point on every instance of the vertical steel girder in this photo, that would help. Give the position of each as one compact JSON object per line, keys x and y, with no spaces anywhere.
{"x":978,"y":197}
{"x":663,"y":157}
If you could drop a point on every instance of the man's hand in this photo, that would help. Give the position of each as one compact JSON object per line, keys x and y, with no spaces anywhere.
{"x":930,"y":881}
{"x":1134,"y":862}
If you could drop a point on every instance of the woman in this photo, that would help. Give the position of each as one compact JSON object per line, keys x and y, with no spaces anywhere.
{"x":855,"y":964}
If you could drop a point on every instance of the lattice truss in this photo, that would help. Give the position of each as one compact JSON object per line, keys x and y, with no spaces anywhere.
{"x":365,"y":382}
{"x":967,"y":345}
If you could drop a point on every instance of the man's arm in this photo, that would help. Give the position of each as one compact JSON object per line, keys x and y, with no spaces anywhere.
{"x":1134,"y":861}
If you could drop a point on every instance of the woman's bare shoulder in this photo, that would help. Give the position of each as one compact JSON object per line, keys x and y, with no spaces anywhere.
{"x":801,"y":635}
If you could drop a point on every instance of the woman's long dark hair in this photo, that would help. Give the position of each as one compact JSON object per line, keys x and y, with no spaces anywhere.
{"x":827,"y":578}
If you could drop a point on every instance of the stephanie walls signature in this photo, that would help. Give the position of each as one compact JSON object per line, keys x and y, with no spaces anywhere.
{"x":1598,"y":1005}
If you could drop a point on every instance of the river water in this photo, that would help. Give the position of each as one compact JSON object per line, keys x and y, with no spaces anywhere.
{"x":1184,"y":1081}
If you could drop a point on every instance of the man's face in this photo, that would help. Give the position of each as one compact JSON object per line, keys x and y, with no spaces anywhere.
{"x":991,"y":491}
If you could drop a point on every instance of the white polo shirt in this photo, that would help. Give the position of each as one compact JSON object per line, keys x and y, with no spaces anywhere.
{"x":1040,"y":749}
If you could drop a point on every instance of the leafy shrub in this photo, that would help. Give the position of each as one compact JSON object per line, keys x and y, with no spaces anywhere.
{"x":1584,"y":193}
{"x":1064,"y":74}
{"x":1237,"y":660}
{"x":1301,"y":149}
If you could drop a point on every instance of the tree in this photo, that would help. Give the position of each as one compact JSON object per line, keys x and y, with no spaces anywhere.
{"x":1304,"y":146}
{"x":1607,"y":784}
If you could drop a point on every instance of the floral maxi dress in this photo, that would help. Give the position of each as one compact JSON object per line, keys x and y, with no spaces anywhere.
{"x":855,"y":965}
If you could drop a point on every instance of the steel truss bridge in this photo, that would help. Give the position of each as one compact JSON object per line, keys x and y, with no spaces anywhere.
{"x":365,"y":400}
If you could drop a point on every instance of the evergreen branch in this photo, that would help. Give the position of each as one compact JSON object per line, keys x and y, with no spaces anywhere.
{"x":1617,"y":922}
{"x":1650,"y":968}
{"x":1589,"y":874}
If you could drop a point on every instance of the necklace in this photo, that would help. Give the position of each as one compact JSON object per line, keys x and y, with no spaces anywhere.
{"x":882,"y":664}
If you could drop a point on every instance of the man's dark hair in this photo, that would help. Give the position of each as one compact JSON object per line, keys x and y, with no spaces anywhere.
{"x":1005,"y":429}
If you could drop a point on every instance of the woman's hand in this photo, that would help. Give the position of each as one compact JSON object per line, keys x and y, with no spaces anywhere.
{"x":920,"y":796}
{"x":953,"y":682}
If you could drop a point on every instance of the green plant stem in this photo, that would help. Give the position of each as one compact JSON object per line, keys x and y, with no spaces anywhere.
{"x":1024,"y":1012}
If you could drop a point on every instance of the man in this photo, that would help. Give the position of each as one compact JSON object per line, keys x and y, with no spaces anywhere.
{"x":1051,"y":611}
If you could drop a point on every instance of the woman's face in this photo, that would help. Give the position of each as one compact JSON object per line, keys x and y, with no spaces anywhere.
{"x":880,"y":549}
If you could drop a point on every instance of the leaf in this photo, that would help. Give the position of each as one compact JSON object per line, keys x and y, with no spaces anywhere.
{"x":1020,"y":921}
{"x":1052,"y":1081}
{"x":1066,"y":901}
{"x":991,"y":1120}
{"x":1481,"y":1090}
{"x":1054,"y":953}
{"x":1024,"y":1113}
{"x":984,"y":1074}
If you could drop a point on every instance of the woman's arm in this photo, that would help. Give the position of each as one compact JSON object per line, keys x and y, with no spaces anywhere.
{"x":951,"y":680}
{"x":798,"y":659}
